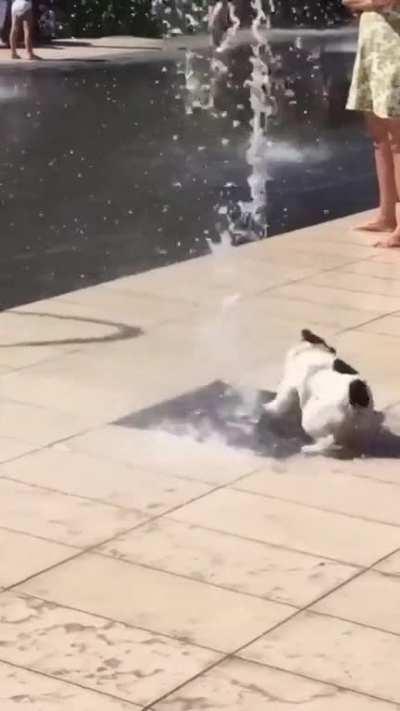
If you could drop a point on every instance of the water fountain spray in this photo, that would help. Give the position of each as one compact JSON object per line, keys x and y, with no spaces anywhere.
{"x":263,"y":106}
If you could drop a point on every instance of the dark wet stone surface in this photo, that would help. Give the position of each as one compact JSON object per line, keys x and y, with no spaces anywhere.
{"x":104,"y":173}
{"x":237,"y":419}
{"x":218,"y":410}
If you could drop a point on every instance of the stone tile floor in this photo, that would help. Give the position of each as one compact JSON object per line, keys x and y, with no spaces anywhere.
{"x":143,"y":569}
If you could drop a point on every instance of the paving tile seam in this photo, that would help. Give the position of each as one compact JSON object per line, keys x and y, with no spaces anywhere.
{"x":74,"y":684}
{"x":41,"y":361}
{"x":91,"y":548}
{"x":225,"y":657}
{"x":307,"y":608}
{"x":349,"y":475}
{"x":236,"y":653}
{"x":158,"y":473}
{"x":332,"y":684}
{"x":356,"y":328}
{"x":60,"y":492}
{"x":357,"y":623}
{"x":167,"y":512}
{"x":377,"y":313}
{"x":323,"y":509}
{"x":94,"y":457}
{"x":278,"y":546}
{"x":348,"y":290}
{"x":18,"y":531}
{"x":73,"y":608}
{"x":53,"y":411}
{"x":370,"y":276}
{"x":106,"y":288}
{"x":315,"y":273}
{"x":371,"y":477}
{"x":199,"y":581}
{"x":297,"y":248}
{"x":147,"y":294}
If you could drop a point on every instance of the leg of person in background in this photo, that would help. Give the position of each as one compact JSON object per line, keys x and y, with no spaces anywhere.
{"x":385,"y":220}
{"x":394,"y":143}
{"x":14,"y":34}
{"x":28,"y":32}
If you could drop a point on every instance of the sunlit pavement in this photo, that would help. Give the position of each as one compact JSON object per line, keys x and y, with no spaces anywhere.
{"x":104,"y":49}
{"x":142,"y":569}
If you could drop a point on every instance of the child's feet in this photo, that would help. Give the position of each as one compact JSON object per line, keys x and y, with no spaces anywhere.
{"x":14,"y":55}
{"x":33,"y":57}
{"x":392,"y":242}
{"x":381,"y":224}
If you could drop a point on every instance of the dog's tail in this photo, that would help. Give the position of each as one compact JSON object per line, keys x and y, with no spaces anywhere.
{"x":359,"y":394}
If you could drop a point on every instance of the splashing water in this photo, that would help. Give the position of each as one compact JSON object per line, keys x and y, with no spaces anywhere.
{"x":263,"y":106}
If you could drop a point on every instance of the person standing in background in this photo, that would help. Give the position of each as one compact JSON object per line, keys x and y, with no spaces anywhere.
{"x":22,"y":18}
{"x":375,"y":90}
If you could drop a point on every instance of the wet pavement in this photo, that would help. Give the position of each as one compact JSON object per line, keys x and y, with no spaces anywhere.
{"x":113,"y":168}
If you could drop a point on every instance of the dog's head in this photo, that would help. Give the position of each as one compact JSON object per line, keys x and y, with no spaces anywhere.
{"x":311,"y":340}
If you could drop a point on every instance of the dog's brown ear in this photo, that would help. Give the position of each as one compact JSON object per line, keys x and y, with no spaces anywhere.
{"x":315,"y":340}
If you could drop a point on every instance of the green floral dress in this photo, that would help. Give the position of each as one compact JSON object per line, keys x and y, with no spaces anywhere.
{"x":376,"y":77}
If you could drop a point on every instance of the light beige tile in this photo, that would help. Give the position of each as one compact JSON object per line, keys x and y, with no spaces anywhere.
{"x":89,"y":403}
{"x":234,"y":341}
{"x":314,"y":485}
{"x":167,"y":453}
{"x":37,"y":425}
{"x":242,"y":686}
{"x":359,"y":283}
{"x":372,"y":599}
{"x":326,"y":245}
{"x":61,"y":518}
{"x":386,"y":326}
{"x":160,"y":602}
{"x":374,"y":356}
{"x":22,"y":555}
{"x":388,"y":256}
{"x":105,"y":304}
{"x":12,"y":447}
{"x":291,"y":254}
{"x":379,"y":469}
{"x":29,"y":339}
{"x":374,"y":268}
{"x":212,"y":279}
{"x":104,"y":656}
{"x":390,"y":565}
{"x":101,"y":479}
{"x":19,"y":687}
{"x":305,"y":312}
{"x":33,"y":326}
{"x":238,"y":564}
{"x":291,"y":525}
{"x":334,"y":651}
{"x":98,"y":382}
{"x":329,"y":296}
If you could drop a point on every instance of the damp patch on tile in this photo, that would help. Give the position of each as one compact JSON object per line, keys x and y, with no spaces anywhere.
{"x":219,"y":411}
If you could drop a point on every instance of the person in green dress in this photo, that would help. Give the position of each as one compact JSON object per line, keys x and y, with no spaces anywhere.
{"x":375,"y":90}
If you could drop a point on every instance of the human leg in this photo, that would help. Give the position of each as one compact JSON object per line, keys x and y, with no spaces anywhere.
{"x":14,"y":33}
{"x":28,"y":33}
{"x":394,"y":144}
{"x":385,"y":220}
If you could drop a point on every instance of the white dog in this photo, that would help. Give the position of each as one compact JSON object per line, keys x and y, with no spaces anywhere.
{"x":337,"y":407}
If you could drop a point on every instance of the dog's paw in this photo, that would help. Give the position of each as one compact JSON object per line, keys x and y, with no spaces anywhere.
{"x":324,"y":445}
{"x":310,"y":449}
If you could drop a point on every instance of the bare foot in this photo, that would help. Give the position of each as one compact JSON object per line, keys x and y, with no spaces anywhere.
{"x":15,"y":56}
{"x":32,"y":57}
{"x":379,"y":225}
{"x":391,"y":242}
